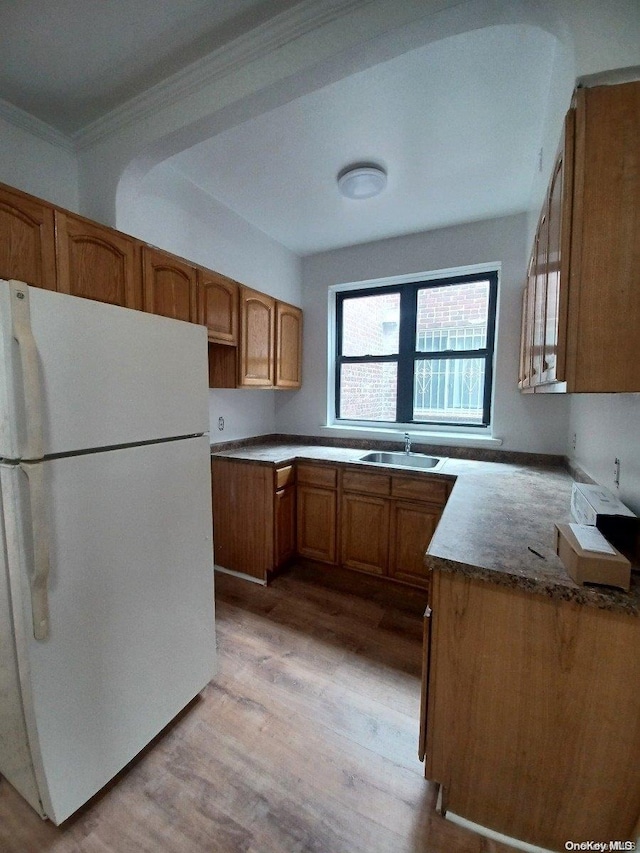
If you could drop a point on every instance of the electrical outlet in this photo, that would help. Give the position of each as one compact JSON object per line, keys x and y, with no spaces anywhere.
{"x":574,"y":441}
{"x":616,"y":472}
{"x":220,"y":423}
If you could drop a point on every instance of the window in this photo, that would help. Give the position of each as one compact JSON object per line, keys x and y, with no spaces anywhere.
{"x":418,"y":352}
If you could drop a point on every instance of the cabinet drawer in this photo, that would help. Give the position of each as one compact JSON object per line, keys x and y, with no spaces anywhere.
{"x":285,"y":477}
{"x":318,"y":475}
{"x":371,"y":484}
{"x":419,"y":489}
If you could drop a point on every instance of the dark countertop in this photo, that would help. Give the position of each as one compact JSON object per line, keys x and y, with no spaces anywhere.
{"x":496,"y":513}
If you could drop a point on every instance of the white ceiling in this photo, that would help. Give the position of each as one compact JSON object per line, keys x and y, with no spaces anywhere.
{"x":68,"y":62}
{"x":456,"y":123}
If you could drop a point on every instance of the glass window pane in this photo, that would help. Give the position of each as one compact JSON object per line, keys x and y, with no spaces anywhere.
{"x":368,"y":391}
{"x":452,"y":317}
{"x":370,"y":325}
{"x":449,"y":390}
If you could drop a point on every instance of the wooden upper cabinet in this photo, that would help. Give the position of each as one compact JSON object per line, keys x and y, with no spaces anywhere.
{"x":218,"y":306}
{"x":169,"y":285}
{"x":27,"y":244}
{"x":257,"y":339}
{"x":550,"y":332}
{"x":539,"y":298}
{"x":288,"y":364}
{"x":604,"y":297}
{"x":586,"y":301}
{"x":96,"y":262}
{"x":524,"y":370}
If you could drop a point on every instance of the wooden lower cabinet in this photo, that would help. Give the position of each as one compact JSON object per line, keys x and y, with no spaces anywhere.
{"x":412,"y":526}
{"x":387,"y":522}
{"x":254,"y":519}
{"x":364,"y":524}
{"x":317,"y":499}
{"x":376,"y":523}
{"x":538,"y":736}
{"x":243,"y":517}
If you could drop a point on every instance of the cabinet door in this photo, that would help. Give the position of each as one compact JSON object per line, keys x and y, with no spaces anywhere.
{"x":412,"y":527}
{"x":552,"y":296}
{"x":96,"y":262}
{"x":288,"y":365}
{"x":169,"y":285}
{"x":365,"y":533}
{"x":285,"y":525}
{"x":316,"y":529}
{"x":539,"y":299}
{"x":524,"y":371}
{"x":243,"y":522}
{"x":604,"y":309}
{"x":218,"y":306}
{"x":257,"y":339}
{"x":521,"y":694}
{"x":27,"y":248}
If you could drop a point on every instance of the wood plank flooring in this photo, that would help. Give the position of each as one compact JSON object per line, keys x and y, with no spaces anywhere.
{"x":305,"y":742}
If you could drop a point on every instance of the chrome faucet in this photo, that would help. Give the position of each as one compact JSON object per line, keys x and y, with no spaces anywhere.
{"x":407,"y":443}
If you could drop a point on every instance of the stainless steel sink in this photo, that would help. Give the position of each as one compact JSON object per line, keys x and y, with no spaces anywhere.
{"x":406,"y":460}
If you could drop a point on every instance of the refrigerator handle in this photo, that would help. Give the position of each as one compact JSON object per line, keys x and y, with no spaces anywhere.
{"x":39,"y":577}
{"x":22,"y":333}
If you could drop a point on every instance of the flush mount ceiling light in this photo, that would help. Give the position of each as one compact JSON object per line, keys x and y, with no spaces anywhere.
{"x":362,"y":180}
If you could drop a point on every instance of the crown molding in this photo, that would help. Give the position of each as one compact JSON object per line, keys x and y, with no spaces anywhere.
{"x":259,"y":42}
{"x":24,"y":120}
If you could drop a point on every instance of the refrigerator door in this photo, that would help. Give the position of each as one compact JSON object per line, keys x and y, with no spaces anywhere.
{"x":131,"y":637}
{"x":104,"y":376}
{"x":16,"y":764}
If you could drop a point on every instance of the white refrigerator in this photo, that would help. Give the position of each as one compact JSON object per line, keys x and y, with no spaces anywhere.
{"x":106,"y":563}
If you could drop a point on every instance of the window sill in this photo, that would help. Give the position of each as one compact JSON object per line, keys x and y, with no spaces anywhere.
{"x":418,"y":436}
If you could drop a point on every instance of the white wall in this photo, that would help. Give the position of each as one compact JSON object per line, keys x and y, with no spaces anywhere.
{"x":536,"y":425}
{"x":172,"y":213}
{"x":36,"y":159}
{"x":175,"y":215}
{"x":607,"y":426}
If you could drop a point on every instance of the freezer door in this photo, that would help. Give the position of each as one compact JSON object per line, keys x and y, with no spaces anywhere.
{"x":131,"y":637}
{"x":108,"y":376}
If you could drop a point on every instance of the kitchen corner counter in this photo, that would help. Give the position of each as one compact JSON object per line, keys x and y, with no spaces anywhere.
{"x":497,"y":526}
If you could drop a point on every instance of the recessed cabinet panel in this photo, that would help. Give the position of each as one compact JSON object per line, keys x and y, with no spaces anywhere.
{"x":412,"y":527}
{"x":316,"y":533}
{"x":257,"y":336}
{"x":288,"y":346}
{"x":169,"y":285}
{"x":98,"y":263}
{"x":365,"y":533}
{"x":218,"y":306}
{"x":27,"y":247}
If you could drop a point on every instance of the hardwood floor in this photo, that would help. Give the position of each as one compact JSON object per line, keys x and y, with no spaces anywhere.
{"x":305,"y":742}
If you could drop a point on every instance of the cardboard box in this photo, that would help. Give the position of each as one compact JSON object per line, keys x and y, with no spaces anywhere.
{"x":589,"y":566}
